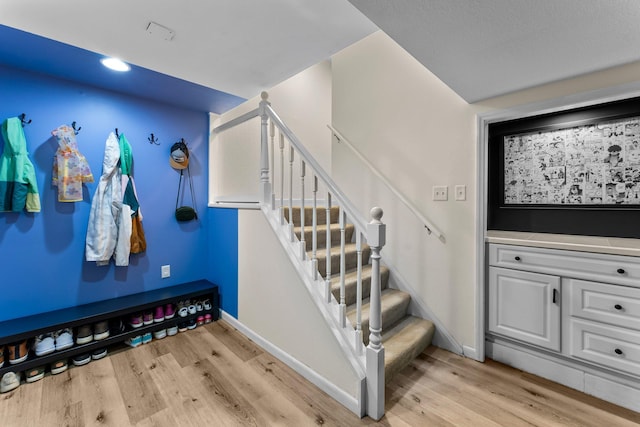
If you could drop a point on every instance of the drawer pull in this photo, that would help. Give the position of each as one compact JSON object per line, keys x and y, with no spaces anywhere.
{"x":517,"y":258}
{"x":555,"y":296}
{"x":620,"y":271}
{"x":617,"y":307}
{"x":618,"y":351}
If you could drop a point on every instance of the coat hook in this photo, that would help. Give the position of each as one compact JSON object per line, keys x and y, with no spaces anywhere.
{"x":23,"y":119}
{"x":117,"y":134}
{"x":75,"y":130}
{"x":153,"y":140}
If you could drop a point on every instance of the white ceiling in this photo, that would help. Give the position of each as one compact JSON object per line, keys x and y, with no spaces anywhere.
{"x":480,"y":48}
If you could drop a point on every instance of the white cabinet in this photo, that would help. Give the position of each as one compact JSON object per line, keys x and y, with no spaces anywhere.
{"x":525,"y":306}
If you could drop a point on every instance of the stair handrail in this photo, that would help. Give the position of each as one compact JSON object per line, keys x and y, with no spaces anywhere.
{"x":431,"y":229}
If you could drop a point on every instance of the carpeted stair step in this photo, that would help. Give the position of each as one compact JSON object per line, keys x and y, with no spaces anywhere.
{"x":351,"y":258}
{"x":321,"y":212}
{"x":322,"y":234}
{"x":394,"y":304}
{"x":404,"y":342}
{"x":351,"y":284}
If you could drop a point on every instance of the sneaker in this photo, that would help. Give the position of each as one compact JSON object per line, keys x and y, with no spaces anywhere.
{"x":44,"y":344}
{"x":10,"y":381}
{"x":147,"y":317}
{"x":169,"y":311}
{"x":64,"y":339}
{"x":172,"y":330}
{"x":18,"y":352}
{"x":81,"y":359}
{"x":84,"y":334}
{"x":35,"y":374}
{"x":208,"y":318}
{"x":1,"y":356}
{"x":207,"y":305}
{"x":134,"y":341}
{"x":101,"y":330}
{"x":192,"y":324}
{"x":146,"y":338}
{"x":59,"y":366}
{"x":116,"y":327}
{"x":192,"y":309}
{"x":159,"y":316}
{"x":183,"y":311}
{"x":200,"y":320}
{"x":199,"y":306}
{"x":136,"y":320}
{"x":99,"y":353}
{"x":182,"y":326}
{"x":160,"y":334}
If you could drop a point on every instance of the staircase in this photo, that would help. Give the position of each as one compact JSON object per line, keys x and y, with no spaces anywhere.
{"x":404,"y":336}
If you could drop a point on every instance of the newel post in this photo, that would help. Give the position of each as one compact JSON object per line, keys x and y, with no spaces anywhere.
{"x":265,"y":185}
{"x":376,"y":233}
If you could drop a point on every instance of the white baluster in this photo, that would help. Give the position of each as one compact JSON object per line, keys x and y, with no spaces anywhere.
{"x":343,"y":306}
{"x":314,"y":231}
{"x":303,"y":243}
{"x":327,"y":277}
{"x":291,"y":233}
{"x":265,"y":185}
{"x":281,"y":178}
{"x":272,"y":133}
{"x":376,"y":231}
{"x":358,"y":342}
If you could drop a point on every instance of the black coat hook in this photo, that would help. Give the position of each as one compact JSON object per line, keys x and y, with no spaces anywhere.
{"x":23,"y":119}
{"x":75,"y":130}
{"x":117,"y":134}
{"x":153,"y":140}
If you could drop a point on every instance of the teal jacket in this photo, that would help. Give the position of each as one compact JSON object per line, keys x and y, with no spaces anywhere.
{"x":18,"y":187}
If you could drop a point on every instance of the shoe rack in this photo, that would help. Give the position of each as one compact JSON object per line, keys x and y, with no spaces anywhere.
{"x":16,"y":330}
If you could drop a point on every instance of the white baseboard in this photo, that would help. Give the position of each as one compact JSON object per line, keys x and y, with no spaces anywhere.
{"x":354,"y":404}
{"x":471,"y":353}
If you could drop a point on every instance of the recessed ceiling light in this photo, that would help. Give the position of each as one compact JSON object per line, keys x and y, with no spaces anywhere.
{"x":115,"y":64}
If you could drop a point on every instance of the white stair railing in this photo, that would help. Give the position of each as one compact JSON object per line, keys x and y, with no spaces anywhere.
{"x":371,"y":358}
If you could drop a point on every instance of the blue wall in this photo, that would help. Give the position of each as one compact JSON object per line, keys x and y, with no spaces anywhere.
{"x":223,"y":256}
{"x":42,"y":254}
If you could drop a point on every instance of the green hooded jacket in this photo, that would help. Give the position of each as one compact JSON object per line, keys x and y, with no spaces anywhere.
{"x":18,"y":186}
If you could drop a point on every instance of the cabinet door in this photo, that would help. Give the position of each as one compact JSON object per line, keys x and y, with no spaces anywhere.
{"x":525,"y":306}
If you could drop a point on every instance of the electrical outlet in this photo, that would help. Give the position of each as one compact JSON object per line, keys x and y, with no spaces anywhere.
{"x":461,"y":192}
{"x":440,"y":192}
{"x":165,"y":271}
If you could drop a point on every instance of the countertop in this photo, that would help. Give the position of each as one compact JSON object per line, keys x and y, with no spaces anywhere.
{"x":603,"y":245}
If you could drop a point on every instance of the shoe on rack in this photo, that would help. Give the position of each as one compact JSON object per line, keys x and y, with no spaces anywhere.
{"x":192,"y":324}
{"x":134,"y":341}
{"x":200,"y":320}
{"x":59,"y":366}
{"x":147,"y":317}
{"x":159,"y":316}
{"x":208,"y":318}
{"x":182,"y":326}
{"x":192,"y":309}
{"x":116,"y":327}
{"x":146,"y":338}
{"x":169,"y":311}
{"x":99,"y":353}
{"x":44,"y":344}
{"x":35,"y":374}
{"x":183,"y":311}
{"x":199,"y":306}
{"x":1,"y":356}
{"x":64,"y":339}
{"x":81,"y":359}
{"x":10,"y":381}
{"x":84,"y":334}
{"x":18,"y":352}
{"x":160,"y":334}
{"x":172,"y":330}
{"x":206,"y":304}
{"x":101,"y":330}
{"x":136,"y":320}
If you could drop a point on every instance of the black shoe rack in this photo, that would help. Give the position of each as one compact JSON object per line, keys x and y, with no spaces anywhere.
{"x":29,"y":327}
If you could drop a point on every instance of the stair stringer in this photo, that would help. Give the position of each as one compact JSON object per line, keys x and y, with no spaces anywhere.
{"x":346,"y":336}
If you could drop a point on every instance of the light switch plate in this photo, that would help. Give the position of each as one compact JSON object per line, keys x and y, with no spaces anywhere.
{"x":440,"y":192}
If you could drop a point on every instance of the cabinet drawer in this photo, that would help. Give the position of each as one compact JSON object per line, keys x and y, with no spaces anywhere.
{"x":624,"y":270}
{"x":617,"y":305}
{"x":612,"y":347}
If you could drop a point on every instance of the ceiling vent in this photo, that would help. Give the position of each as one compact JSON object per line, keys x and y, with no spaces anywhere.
{"x":160,"y":31}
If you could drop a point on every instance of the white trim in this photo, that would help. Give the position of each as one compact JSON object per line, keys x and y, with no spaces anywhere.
{"x":354,"y":404}
{"x":599,"y":96}
{"x":472,"y":353}
{"x":235,"y":205}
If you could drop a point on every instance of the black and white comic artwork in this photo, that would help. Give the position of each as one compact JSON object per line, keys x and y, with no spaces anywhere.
{"x":597,"y":164}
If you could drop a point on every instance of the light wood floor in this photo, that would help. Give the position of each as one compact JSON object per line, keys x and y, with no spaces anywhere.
{"x":214,"y":376}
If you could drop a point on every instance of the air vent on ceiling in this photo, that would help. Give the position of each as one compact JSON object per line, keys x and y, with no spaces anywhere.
{"x":160,"y":31}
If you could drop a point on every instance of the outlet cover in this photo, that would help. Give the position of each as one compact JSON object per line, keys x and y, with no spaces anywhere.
{"x":461,"y":192}
{"x":165,"y":271}
{"x":440,"y":192}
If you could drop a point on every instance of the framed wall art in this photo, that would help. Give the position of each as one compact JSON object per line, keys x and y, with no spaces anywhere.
{"x":571,"y":172}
